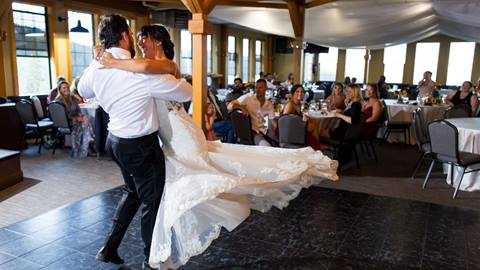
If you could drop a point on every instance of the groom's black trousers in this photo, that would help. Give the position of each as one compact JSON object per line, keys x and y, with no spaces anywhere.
{"x":142,"y":163}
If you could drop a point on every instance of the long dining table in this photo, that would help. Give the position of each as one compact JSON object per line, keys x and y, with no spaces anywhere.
{"x":468,"y":141}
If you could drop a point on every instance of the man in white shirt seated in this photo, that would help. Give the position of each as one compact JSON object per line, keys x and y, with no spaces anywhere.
{"x":128,"y":99}
{"x":257,"y":107}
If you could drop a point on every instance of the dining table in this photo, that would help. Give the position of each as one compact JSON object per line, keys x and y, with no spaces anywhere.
{"x":402,"y":113}
{"x":468,"y":141}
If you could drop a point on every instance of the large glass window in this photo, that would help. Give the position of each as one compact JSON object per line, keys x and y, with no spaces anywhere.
{"x":460,"y":62}
{"x":245,"y":59}
{"x":209,"y":59}
{"x":426,"y":59}
{"x":307,"y":67}
{"x":185,"y":52}
{"x":355,"y":64}
{"x":33,"y":65}
{"x":394,"y":60}
{"x":231,"y":60}
{"x":258,"y":58}
{"x":328,"y":64}
{"x":81,"y":43}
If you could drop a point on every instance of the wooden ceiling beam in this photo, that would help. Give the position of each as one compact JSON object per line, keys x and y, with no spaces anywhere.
{"x":200,"y":6}
{"x":316,"y":3}
{"x":239,"y":3}
{"x":296,"y":9}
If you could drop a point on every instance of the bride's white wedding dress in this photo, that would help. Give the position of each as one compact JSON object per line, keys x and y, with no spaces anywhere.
{"x":212,"y":184}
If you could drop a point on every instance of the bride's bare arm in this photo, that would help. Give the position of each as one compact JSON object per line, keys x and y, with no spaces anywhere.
{"x":163,"y":66}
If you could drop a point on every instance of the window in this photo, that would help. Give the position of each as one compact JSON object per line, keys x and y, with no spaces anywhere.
{"x":185,"y":52}
{"x":328,"y":64}
{"x":460,"y":62}
{"x":426,"y":59}
{"x":355,"y":64}
{"x":209,"y":59}
{"x":307,"y":67}
{"x":258,"y":58}
{"x":245,"y":59}
{"x":81,"y":43}
{"x":33,"y":65}
{"x":231,"y":60}
{"x":394,"y":60}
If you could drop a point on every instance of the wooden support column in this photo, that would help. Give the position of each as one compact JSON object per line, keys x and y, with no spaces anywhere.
{"x":296,"y":8}
{"x":367,"y":66}
{"x":199,"y":27}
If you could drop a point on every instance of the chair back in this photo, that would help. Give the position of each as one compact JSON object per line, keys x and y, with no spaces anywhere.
{"x":292,"y":131}
{"x":419,"y":127}
{"x":444,"y":140}
{"x":3,"y":100}
{"x":59,"y":116}
{"x":459,"y":111}
{"x":354,"y":132}
{"x":38,"y":106}
{"x":242,"y":127}
{"x":26,"y":112}
{"x":385,"y":111}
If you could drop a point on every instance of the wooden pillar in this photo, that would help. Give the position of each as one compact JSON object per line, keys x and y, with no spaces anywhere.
{"x":296,"y":9}
{"x":366,"y":68}
{"x":476,"y":64}
{"x":409,"y":64}
{"x":8,"y":67}
{"x":199,"y":27}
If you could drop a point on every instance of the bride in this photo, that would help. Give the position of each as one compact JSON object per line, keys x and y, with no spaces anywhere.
{"x":210,"y":185}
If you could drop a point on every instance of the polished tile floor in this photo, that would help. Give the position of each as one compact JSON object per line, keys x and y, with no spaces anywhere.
{"x":321,"y":229}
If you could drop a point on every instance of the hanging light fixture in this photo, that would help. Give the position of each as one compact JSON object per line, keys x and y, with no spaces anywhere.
{"x":79,"y":28}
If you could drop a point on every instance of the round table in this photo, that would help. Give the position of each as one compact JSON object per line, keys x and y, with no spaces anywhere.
{"x":468,"y":141}
{"x":322,"y":121}
{"x":402,"y":113}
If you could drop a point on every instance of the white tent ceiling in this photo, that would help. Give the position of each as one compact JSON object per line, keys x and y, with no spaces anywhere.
{"x":365,"y":23}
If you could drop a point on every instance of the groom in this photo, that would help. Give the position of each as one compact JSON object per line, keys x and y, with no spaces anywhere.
{"x":128,"y":98}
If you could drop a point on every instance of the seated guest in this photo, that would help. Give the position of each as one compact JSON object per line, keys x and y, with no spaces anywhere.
{"x":354,"y":80}
{"x":221,"y":123}
{"x":372,"y":110}
{"x":270,"y":81}
{"x":237,"y":92}
{"x":464,"y":96}
{"x":81,"y":126}
{"x":257,"y":107}
{"x":351,"y":115}
{"x":54,"y":92}
{"x":210,"y":117}
{"x":347,"y":81}
{"x":382,"y":87}
{"x":426,"y":85}
{"x":337,"y":98}
{"x":294,"y":106}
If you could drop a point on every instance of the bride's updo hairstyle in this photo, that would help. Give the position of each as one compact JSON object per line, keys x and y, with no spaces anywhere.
{"x":159,"y":33}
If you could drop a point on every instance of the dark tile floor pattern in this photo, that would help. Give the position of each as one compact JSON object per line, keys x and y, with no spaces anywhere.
{"x":321,"y":229}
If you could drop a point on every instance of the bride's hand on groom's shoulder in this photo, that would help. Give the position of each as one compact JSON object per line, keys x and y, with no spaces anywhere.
{"x":106,"y":60}
{"x":98,"y":51}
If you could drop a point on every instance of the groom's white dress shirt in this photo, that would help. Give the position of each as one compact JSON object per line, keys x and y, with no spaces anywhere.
{"x":128,"y":97}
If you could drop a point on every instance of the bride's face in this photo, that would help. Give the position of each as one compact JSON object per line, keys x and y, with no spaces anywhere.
{"x":147,"y":46}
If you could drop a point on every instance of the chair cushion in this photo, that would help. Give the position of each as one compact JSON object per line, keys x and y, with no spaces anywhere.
{"x":43,"y":124}
{"x":467,"y":159}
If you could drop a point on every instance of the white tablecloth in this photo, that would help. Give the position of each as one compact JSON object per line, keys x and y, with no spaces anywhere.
{"x":322,"y":121}
{"x":468,"y":141}
{"x":402,"y":113}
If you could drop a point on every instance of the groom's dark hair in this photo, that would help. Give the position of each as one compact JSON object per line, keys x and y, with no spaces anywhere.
{"x":110,"y":30}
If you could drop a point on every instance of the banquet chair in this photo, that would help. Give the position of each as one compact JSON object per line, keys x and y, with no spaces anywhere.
{"x":59,"y":116}
{"x":459,"y":111}
{"x":292,"y":131}
{"x":395,"y":126}
{"x":350,"y":141}
{"x":242,"y":127}
{"x":29,"y":118}
{"x":444,"y":148}
{"x":421,"y":136}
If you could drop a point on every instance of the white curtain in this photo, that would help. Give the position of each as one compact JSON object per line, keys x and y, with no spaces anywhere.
{"x":365,"y":23}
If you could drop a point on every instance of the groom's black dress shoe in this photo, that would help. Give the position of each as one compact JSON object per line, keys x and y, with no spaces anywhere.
{"x":107,"y":256}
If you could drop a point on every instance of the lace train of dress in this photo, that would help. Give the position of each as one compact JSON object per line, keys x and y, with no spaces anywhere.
{"x":210,"y":185}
